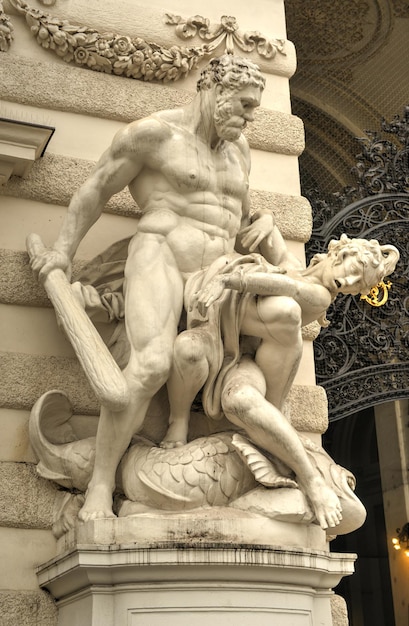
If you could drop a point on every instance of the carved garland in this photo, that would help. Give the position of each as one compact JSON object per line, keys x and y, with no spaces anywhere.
{"x":228,"y":31}
{"x":6,"y":30}
{"x":134,"y":57}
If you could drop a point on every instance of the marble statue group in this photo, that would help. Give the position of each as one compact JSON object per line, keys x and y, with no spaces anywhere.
{"x":211,"y":301}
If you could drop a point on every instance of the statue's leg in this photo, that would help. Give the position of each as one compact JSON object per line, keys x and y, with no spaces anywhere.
{"x":277,"y":321}
{"x":189,"y":373}
{"x":244,"y":404}
{"x":153,"y":304}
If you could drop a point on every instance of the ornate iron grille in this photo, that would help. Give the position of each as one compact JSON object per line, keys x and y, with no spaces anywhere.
{"x":362,"y":358}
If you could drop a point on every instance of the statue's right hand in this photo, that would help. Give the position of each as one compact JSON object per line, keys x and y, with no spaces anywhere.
{"x":42,"y":263}
{"x":43,"y":260}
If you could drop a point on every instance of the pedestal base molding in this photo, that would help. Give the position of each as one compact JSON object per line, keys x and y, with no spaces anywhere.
{"x":144,"y":584}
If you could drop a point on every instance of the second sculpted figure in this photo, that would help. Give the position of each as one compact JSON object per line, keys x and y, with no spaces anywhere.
{"x":244,"y":334}
{"x":188,"y":171}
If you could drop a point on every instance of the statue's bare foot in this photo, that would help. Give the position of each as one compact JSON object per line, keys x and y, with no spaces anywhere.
{"x":176,"y":435}
{"x":98,"y":504}
{"x":325,"y":503}
{"x":168,"y":445}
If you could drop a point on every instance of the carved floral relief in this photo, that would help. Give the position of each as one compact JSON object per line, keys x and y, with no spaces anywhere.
{"x":227,"y":31}
{"x":134,"y":57}
{"x":6,"y":30}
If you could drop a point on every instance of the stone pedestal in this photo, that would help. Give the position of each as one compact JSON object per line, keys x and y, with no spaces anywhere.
{"x":194,"y":582}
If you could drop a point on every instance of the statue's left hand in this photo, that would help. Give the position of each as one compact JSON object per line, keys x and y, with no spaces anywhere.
{"x":262,"y":228}
{"x":212,"y":292}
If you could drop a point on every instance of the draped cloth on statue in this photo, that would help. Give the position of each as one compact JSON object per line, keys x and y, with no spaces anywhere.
{"x":105,"y":273}
{"x":221,"y":323}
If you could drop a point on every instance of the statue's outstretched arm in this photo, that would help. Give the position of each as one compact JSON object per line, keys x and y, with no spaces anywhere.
{"x":313,"y":298}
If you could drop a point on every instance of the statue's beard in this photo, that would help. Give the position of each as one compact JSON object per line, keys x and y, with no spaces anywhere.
{"x":228,"y":126}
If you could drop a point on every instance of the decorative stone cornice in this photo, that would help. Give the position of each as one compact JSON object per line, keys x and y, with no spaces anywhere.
{"x":20,"y":145}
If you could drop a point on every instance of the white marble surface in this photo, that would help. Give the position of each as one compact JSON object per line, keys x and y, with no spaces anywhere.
{"x":106,"y":585}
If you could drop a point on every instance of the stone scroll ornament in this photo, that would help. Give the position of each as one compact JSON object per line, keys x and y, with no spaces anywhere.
{"x":134,"y":57}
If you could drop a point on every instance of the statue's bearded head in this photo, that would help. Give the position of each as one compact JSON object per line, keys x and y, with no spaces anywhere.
{"x":238,"y":85}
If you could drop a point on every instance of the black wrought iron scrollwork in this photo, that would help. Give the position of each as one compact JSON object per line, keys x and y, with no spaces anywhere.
{"x":362,"y":358}
{"x":382,"y":166}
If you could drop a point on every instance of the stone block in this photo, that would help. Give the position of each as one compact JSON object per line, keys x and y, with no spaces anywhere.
{"x":101,"y":585}
{"x":26,"y":377}
{"x":27,"y":608}
{"x":14,"y":443}
{"x":308,"y":408}
{"x":26,"y":500}
{"x":17,"y":283}
{"x":22,"y":551}
{"x":54,"y":178}
{"x":75,"y":90}
{"x":33,"y":330}
{"x":339,"y":611}
{"x":292,"y":213}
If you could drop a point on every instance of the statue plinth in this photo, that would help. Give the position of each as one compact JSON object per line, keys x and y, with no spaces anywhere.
{"x":148,"y":582}
{"x":222,"y":526}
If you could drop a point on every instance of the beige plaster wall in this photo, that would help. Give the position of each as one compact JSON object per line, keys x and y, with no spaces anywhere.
{"x":87,"y":108}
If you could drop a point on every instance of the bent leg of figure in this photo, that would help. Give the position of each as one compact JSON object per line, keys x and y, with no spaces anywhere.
{"x":244,"y":404}
{"x":152,"y":311}
{"x":189,"y":373}
{"x":277,"y":321}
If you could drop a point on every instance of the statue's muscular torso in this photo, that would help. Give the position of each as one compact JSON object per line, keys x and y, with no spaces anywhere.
{"x":190,"y":194}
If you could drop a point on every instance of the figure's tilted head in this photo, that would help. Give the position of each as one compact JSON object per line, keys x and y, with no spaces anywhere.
{"x":358,"y":264}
